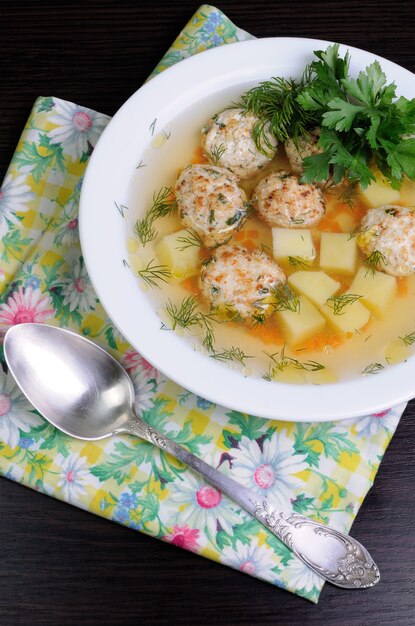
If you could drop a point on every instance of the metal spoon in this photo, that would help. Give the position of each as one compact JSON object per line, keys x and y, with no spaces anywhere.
{"x":84,"y":392}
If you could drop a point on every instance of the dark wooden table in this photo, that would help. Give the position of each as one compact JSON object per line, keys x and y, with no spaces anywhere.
{"x":60,"y":565}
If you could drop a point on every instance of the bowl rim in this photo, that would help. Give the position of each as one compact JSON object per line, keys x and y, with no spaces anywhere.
{"x":102,"y":255}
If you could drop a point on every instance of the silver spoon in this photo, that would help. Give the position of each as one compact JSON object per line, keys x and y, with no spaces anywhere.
{"x":84,"y":392}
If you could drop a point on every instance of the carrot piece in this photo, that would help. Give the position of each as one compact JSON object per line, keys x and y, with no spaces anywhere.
{"x":402,"y":285}
{"x":319,"y":342}
{"x":199,"y":156}
{"x":268,"y":333}
{"x":190,"y":283}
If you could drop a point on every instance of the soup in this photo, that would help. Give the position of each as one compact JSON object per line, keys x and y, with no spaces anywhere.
{"x":336,"y":315}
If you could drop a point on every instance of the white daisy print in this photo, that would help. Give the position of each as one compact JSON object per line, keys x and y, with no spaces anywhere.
{"x":77,"y":128}
{"x":376,"y":423}
{"x":74,"y":475}
{"x":269,"y":472}
{"x":77,"y":289}
{"x":251,"y":559}
{"x":14,"y":198}
{"x":297,"y":575}
{"x":15,"y":411}
{"x":205,"y":508}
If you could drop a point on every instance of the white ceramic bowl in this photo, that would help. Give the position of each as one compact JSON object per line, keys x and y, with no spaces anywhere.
{"x":112,"y":171}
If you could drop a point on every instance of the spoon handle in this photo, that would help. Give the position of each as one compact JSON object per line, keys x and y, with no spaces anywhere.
{"x":334,"y":556}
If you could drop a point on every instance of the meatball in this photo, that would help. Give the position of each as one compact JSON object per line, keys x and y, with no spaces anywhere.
{"x":390,"y":231}
{"x":238,"y":280}
{"x":227,"y":141}
{"x":281,"y":200}
{"x":300,"y":149}
{"x":210,"y":201}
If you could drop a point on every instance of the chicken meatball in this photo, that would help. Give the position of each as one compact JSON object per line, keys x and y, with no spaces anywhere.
{"x":210,"y":201}
{"x":390,"y":231}
{"x":298,"y":150}
{"x":281,"y":200}
{"x":239,"y":281}
{"x":227,"y":141}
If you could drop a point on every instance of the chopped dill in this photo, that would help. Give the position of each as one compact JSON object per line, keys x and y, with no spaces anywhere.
{"x":408,"y":339}
{"x":373,"y":261}
{"x":163,"y":205}
{"x":188,"y":315}
{"x":280,"y":361}
{"x":232,"y":354}
{"x":373,"y":368}
{"x":297,"y":262}
{"x":349,"y":194}
{"x":152,"y":274}
{"x":283,"y":298}
{"x":216,"y":153}
{"x":191,"y":239}
{"x":339,"y":303}
{"x":258,"y":319}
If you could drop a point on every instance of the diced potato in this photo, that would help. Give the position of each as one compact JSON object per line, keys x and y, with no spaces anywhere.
{"x":376,"y":288}
{"x":137,"y":262}
{"x":379,"y":192}
{"x":296,"y":243}
{"x":396,"y":351}
{"x":325,"y":376}
{"x":351,"y":317}
{"x":407,"y":192}
{"x":317,"y":286}
{"x":182,"y":262}
{"x":302,"y":324}
{"x":338,"y":253}
{"x":346,"y":221}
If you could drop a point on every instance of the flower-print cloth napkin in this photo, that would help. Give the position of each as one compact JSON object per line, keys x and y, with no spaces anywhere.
{"x":324,"y":470}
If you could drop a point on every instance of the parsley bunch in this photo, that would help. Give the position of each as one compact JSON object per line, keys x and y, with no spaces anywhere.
{"x":363,"y":125}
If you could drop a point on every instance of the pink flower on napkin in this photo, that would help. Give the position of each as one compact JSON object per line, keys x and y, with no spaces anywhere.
{"x":184,"y":537}
{"x":26,"y":305}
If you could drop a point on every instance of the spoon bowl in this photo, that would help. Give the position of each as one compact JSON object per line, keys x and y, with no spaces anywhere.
{"x":85,"y":392}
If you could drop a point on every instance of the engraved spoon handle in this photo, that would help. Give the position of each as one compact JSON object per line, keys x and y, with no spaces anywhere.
{"x":334,"y":556}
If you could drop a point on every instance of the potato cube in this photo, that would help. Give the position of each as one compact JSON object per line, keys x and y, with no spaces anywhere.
{"x":290,"y":374}
{"x":338,"y":253}
{"x":296,"y":243}
{"x":378,"y":193}
{"x":349,"y":318}
{"x":376,"y":288}
{"x":302,"y":324}
{"x":172,"y":251}
{"x":317,"y":286}
{"x":396,"y":352}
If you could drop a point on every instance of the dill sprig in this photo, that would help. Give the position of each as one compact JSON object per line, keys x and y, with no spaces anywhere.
{"x":275,"y":103}
{"x":280,"y":361}
{"x":163,"y":205}
{"x":187,"y":315}
{"x":408,"y":339}
{"x":232,"y":354}
{"x":216,"y":153}
{"x":349,"y":194}
{"x":374,"y":260}
{"x":373,"y":368}
{"x":297,"y":262}
{"x":152,"y":274}
{"x":339,"y":303}
{"x":283,"y":298}
{"x":191,"y":239}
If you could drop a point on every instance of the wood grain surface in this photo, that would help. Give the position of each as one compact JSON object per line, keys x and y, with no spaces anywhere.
{"x":61,"y":566}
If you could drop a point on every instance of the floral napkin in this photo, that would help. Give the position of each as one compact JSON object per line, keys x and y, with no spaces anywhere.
{"x":324,"y":470}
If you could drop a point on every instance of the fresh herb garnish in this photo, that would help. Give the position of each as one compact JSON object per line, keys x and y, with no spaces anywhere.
{"x":339,"y":303}
{"x":216,"y":153}
{"x":408,"y":339}
{"x":373,"y":261}
{"x":188,"y":315}
{"x":280,"y":362}
{"x":191,"y":239}
{"x":362,"y":123}
{"x":283,"y":298}
{"x":163,"y":205}
{"x":231,"y":354}
{"x":153,"y":274}
{"x":297,"y":262}
{"x":373,"y":368}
